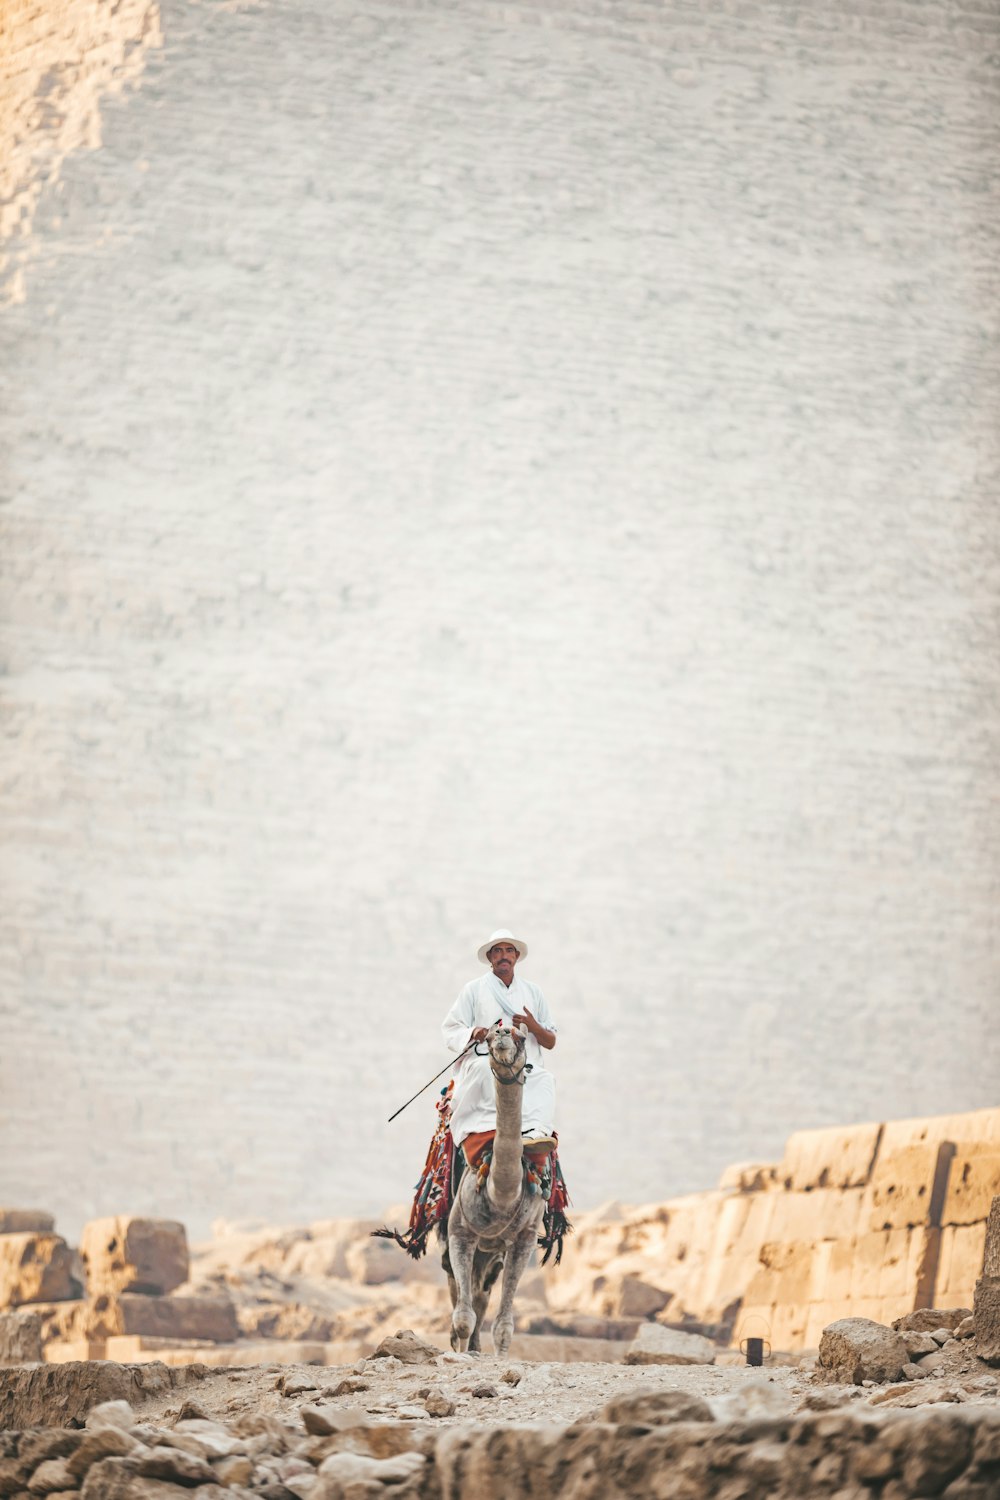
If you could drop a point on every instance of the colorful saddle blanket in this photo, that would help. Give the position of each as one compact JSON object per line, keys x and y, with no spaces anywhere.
{"x":443,"y":1170}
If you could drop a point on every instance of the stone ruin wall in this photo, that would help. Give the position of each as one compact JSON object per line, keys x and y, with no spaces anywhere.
{"x":869,"y":1221}
{"x":866,"y":1221}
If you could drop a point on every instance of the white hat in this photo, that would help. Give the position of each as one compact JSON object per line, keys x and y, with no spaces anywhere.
{"x":503,"y":936}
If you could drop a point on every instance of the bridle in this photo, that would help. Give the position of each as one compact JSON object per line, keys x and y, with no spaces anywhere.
{"x":516,"y":1074}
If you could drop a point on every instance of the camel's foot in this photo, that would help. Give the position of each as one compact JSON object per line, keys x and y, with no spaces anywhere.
{"x":463,"y":1323}
{"x":503,"y":1332}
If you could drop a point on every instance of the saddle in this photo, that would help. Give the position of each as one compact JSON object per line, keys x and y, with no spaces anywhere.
{"x":443,"y":1171}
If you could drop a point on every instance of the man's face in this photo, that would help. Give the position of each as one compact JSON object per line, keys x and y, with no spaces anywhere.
{"x":503,"y":957}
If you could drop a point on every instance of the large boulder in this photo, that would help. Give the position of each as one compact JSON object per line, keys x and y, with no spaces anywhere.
{"x":853,"y":1350}
{"x":927,"y":1319}
{"x":405,"y":1346}
{"x":35,"y":1267}
{"x":656,"y":1345}
{"x":20,"y":1338}
{"x":134,"y":1255}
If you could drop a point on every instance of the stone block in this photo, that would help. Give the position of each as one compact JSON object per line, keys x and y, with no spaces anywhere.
{"x":986,"y":1316}
{"x":656,"y":1345}
{"x":960,"y":1264}
{"x":991,"y":1247}
{"x":928,"y":1319}
{"x":973,"y":1183}
{"x":788,"y":1325}
{"x":831,"y":1158}
{"x":824,"y":1214}
{"x":853,"y":1350}
{"x":899,"y":1193}
{"x":35,"y":1267}
{"x":138,"y":1255}
{"x":833,"y":1270}
{"x":68,"y":1351}
{"x":26,"y":1221}
{"x":20,"y":1337}
{"x":785,"y":1274}
{"x":750,"y":1177}
{"x":179,"y":1318}
{"x":631,"y":1297}
{"x":886,"y":1265}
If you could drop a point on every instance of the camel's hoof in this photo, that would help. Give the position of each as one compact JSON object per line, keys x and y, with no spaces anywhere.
{"x":501,"y":1339}
{"x":463,"y":1325}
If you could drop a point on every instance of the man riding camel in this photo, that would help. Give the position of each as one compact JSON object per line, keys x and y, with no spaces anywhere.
{"x":501,"y":995}
{"x":467,"y":1108}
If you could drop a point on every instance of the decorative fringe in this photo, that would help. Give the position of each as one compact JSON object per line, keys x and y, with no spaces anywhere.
{"x":432,"y":1198}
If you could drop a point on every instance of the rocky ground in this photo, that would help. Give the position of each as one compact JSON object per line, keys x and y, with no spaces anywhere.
{"x":146,"y":1432}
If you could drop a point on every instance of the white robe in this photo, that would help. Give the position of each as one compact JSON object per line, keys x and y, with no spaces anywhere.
{"x":482,"y":1002}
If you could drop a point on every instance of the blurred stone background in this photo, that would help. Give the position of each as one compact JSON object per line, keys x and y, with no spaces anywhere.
{"x":491,"y":464}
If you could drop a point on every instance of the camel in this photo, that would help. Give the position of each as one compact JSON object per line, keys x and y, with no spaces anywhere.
{"x":493,"y":1229}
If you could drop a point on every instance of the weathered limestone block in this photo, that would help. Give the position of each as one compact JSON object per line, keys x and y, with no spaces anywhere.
{"x":926,"y":1319}
{"x":750,"y":1176}
{"x":20,"y":1338}
{"x":973,"y":1182}
{"x":35,"y":1268}
{"x":405,"y":1346}
{"x":26,"y":1221}
{"x":991,"y":1245}
{"x":986,"y":1314}
{"x":960,"y":1261}
{"x":212,"y":1318}
{"x":631,"y":1297}
{"x":856,"y":1349}
{"x":832,"y":1158}
{"x":137,"y":1255}
{"x":899,"y":1193}
{"x":656,"y":1345}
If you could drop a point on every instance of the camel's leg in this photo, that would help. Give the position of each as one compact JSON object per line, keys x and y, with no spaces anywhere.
{"x":485,"y":1270}
{"x":462,"y":1254}
{"x":517,"y":1258}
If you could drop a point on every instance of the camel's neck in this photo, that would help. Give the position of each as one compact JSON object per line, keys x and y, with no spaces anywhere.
{"x":506,"y":1178}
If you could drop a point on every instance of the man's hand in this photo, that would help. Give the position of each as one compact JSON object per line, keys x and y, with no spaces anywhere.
{"x":479,"y":1034}
{"x":542,"y":1035}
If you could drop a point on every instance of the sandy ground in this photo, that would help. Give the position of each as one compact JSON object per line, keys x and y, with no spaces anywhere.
{"x":494,"y":1390}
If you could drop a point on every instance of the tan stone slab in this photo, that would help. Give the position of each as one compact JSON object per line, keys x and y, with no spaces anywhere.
{"x":785,"y":1275}
{"x":750,"y":1177}
{"x":26,"y":1221}
{"x":179,"y":1319}
{"x":973,"y":1183}
{"x":833,"y":1272}
{"x":837,"y":1157}
{"x":960,"y":1264}
{"x":881,"y":1262}
{"x":35,"y":1267}
{"x":979,"y":1126}
{"x":134,"y":1254}
{"x":824,"y":1214}
{"x":64,"y":1351}
{"x":550,"y":1348}
{"x":991,"y":1252}
{"x":128,"y":1346}
{"x":788,"y":1326}
{"x":899,"y":1194}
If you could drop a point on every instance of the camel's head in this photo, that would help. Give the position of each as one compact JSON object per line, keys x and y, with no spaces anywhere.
{"x":506,"y":1048}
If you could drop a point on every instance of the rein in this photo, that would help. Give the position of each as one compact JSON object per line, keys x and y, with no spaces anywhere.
{"x":498,"y":1062}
